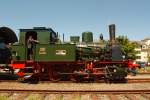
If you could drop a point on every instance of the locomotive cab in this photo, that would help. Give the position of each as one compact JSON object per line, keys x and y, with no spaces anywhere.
{"x":41,"y":34}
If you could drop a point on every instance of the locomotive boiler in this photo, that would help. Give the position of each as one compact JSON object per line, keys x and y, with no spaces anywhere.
{"x":77,"y":61}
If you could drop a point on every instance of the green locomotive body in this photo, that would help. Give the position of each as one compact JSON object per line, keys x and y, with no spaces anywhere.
{"x":55,"y":53}
{"x":18,"y":52}
{"x":53,"y":60}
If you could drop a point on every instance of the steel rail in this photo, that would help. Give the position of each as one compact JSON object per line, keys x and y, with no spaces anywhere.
{"x":141,"y":80}
{"x":78,"y":91}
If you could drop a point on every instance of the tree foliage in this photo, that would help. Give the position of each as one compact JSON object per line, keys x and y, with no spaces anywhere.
{"x":148,"y":58}
{"x":128,"y":47}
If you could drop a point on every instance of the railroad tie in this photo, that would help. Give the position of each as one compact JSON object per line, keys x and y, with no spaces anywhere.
{"x":113,"y":97}
{"x":131,"y":96}
{"x":147,"y":96}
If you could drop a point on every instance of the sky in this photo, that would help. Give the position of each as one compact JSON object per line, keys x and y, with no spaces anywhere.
{"x":72,"y":17}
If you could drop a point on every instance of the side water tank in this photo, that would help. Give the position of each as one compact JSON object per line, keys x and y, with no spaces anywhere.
{"x":87,"y":37}
{"x":74,"y":39}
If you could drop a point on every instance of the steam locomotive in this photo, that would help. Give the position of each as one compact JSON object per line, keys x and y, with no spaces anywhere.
{"x":56,"y":60}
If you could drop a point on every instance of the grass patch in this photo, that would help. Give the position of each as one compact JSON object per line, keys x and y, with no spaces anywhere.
{"x":3,"y":98}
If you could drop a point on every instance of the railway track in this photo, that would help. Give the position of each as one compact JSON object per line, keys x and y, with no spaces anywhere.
{"x":75,"y":95}
{"x":19,"y":93}
{"x":145,"y":73}
{"x":76,"y":91}
{"x":138,"y":80}
{"x":142,"y":80}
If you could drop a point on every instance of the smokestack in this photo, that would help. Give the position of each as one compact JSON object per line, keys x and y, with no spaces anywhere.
{"x":112,"y":33}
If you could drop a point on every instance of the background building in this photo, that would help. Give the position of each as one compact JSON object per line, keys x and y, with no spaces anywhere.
{"x":143,"y":51}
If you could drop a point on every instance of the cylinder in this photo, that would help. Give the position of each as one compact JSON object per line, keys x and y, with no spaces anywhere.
{"x":74,"y":39}
{"x":112,"y":32}
{"x":87,"y":37}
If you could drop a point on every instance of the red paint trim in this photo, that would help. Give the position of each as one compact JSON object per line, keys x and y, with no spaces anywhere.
{"x":18,"y":66}
{"x":73,"y":63}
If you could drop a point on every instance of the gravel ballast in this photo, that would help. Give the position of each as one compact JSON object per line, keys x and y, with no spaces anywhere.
{"x":75,"y":86}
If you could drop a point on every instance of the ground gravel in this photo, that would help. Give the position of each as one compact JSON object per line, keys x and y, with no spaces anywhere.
{"x":75,"y":86}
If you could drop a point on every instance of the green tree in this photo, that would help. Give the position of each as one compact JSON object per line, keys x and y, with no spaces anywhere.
{"x":128,"y":47}
{"x":148,"y":58}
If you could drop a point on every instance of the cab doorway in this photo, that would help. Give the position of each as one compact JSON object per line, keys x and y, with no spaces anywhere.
{"x":30,"y":47}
